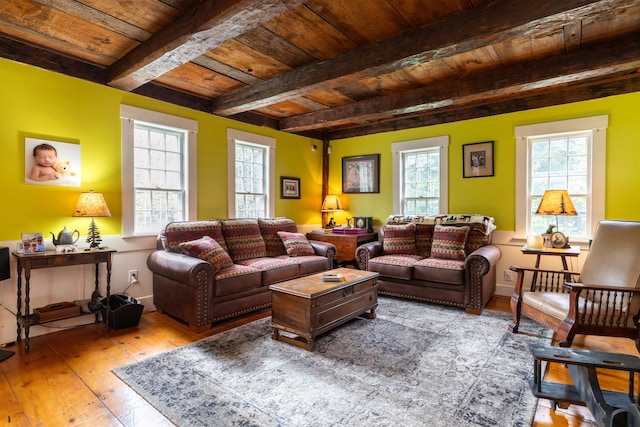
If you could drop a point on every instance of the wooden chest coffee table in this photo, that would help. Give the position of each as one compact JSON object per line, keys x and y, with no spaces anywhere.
{"x":308,"y":306}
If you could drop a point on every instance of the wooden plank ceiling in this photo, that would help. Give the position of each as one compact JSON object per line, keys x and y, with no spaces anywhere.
{"x":336,"y":68}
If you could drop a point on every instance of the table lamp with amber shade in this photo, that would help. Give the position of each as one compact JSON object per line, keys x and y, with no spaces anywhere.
{"x":555,"y":202}
{"x":331,"y":203}
{"x":92,"y":205}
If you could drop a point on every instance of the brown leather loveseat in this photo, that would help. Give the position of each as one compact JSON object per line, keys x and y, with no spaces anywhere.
{"x":209,"y":270}
{"x":445,"y":259}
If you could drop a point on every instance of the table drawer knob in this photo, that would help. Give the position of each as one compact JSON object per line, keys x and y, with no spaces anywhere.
{"x":348,"y":291}
{"x":321,"y":319}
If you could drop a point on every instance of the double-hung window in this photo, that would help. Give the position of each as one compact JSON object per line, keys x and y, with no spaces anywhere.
{"x":158,"y":170}
{"x":420,"y":184}
{"x":567,"y":155}
{"x":252,"y":186}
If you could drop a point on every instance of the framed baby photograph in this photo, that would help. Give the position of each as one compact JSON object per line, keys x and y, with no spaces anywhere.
{"x":49,"y":162}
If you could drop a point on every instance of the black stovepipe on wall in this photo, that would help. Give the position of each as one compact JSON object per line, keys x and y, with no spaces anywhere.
{"x":5,"y":273}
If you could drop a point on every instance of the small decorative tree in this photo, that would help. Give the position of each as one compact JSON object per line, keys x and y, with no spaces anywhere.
{"x":93,"y":238}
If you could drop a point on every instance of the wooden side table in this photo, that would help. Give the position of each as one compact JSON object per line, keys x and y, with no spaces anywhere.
{"x":563,"y":253}
{"x":345,"y":244}
{"x":54,"y":259}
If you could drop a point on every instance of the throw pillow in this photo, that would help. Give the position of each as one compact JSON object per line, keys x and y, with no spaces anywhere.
{"x":399,"y":239}
{"x":296,"y":244}
{"x":448,"y":242}
{"x":208,"y":250}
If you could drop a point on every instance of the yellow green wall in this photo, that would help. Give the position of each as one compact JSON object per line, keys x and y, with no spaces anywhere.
{"x":41,"y":104}
{"x":495,"y":196}
{"x":38,"y":103}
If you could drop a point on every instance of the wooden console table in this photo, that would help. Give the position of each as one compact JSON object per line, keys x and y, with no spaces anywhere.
{"x":345,"y":244}
{"x":54,"y":259}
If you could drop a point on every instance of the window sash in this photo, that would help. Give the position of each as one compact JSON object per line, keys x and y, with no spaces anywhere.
{"x":595,"y":194}
{"x":430,"y":189}
{"x":167,"y":179}
{"x":251,"y":184}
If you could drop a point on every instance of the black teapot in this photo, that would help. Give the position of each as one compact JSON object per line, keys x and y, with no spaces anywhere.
{"x":65,"y":237}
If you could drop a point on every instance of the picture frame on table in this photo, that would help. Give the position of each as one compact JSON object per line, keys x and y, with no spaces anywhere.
{"x":477,"y":159}
{"x":361,"y":174}
{"x":32,"y":243}
{"x":289,"y":187}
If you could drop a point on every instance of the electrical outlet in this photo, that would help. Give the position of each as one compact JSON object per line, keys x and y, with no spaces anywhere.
{"x":133,"y":276}
{"x":507,"y":276}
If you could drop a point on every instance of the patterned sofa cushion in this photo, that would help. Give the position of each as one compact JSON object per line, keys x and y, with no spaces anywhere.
{"x":209,"y":250}
{"x":244,"y":239}
{"x":296,"y":244}
{"x":449,"y":242}
{"x":269,"y":228}
{"x":399,"y":239}
{"x":439,"y":270}
{"x":186,"y":231}
{"x":400,"y":266}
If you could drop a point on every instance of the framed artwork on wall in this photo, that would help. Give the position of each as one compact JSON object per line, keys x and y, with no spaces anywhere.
{"x":477,"y":159}
{"x":289,"y":187}
{"x":51,"y":162}
{"x":361,"y":174}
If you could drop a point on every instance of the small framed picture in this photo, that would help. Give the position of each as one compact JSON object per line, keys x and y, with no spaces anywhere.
{"x":32,"y":243}
{"x":289,"y":187}
{"x":477,"y":159}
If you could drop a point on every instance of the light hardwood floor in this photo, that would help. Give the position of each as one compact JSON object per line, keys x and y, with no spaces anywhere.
{"x":66,"y":377}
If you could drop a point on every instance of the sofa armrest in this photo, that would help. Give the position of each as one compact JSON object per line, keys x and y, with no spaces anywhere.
{"x":325,"y":249}
{"x":480,"y":276}
{"x":367,"y":251}
{"x":179,"y":267}
{"x":486,"y":257}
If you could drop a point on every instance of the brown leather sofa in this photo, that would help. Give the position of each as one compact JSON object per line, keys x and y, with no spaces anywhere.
{"x":201,"y":292}
{"x":445,"y":259}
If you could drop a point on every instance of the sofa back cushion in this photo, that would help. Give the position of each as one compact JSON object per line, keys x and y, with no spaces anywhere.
{"x":449,"y":242}
{"x":209,"y":250}
{"x":399,"y":239}
{"x":269,"y":228}
{"x":185,"y":231}
{"x":243,"y":238}
{"x":424,"y":239}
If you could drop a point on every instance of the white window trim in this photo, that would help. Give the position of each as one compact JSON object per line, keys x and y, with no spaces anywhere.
{"x":260,"y":140}
{"x":596,"y":201}
{"x":397,"y":148}
{"x":128,"y":116}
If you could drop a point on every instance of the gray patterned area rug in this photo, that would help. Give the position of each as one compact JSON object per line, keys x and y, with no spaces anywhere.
{"x":416,"y":364}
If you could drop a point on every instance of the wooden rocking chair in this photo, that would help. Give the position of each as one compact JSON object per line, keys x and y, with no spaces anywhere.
{"x":604,"y":299}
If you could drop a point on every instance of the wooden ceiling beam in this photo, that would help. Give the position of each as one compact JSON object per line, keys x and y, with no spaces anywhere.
{"x":492,"y":23}
{"x":42,"y":58}
{"x":566,"y":95}
{"x":614,"y":58}
{"x":203,"y":28}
